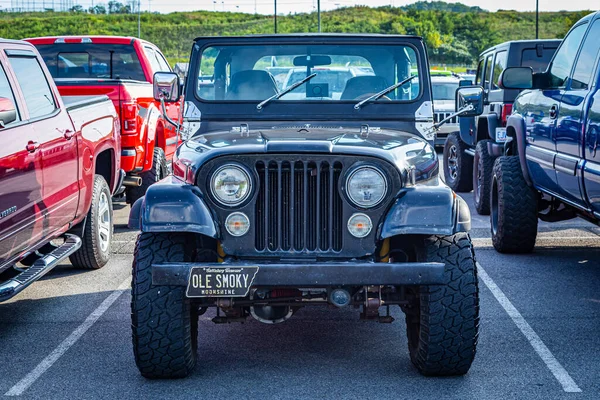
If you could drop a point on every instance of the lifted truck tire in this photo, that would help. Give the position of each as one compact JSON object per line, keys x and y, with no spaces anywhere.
{"x":163,"y":322}
{"x":458,"y":165}
{"x":158,"y":171}
{"x":483,"y":165}
{"x":442,"y":323}
{"x":98,"y":230}
{"x":514,"y":208}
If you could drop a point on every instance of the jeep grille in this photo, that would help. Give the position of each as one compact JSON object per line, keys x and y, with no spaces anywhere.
{"x":299,"y":207}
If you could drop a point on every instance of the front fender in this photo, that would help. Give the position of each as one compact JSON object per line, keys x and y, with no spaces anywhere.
{"x":515,"y":128}
{"x":427,"y":210}
{"x":171,"y":205}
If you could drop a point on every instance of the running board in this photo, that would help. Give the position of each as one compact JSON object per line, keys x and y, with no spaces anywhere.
{"x":39,"y":268}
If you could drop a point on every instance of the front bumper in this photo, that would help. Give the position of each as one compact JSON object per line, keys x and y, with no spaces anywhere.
{"x":314,"y":274}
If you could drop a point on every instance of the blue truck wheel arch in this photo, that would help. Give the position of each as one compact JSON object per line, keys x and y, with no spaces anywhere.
{"x":515,"y":128}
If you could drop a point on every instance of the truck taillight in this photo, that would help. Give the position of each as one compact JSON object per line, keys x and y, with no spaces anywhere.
{"x":129,"y":113}
{"x":505,"y":113}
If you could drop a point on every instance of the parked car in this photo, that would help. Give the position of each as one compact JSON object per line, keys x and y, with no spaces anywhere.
{"x":550,"y":166}
{"x":59,"y":166}
{"x":469,"y":154}
{"x":275,"y":204}
{"x":121,"y":68}
{"x":444,"y":90}
{"x":329,"y":82}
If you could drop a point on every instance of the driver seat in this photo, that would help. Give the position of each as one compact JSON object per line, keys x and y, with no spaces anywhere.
{"x":251,"y":85}
{"x":362,"y":85}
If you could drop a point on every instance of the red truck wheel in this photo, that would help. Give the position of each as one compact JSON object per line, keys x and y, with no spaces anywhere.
{"x":158,"y":171}
{"x":97,"y":234}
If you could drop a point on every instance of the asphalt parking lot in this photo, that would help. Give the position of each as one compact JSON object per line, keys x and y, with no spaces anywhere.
{"x":68,"y":336}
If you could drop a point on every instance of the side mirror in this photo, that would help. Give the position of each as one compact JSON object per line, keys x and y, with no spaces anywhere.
{"x":516,"y":78}
{"x":469,"y":101}
{"x":8,"y":112}
{"x":465,"y":82}
{"x":166,"y":87}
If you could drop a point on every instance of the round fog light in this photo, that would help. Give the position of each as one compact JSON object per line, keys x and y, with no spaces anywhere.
{"x":360,"y":225}
{"x":237,"y":224}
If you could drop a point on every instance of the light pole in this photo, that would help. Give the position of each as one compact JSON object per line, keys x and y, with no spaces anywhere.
{"x":537,"y":12}
{"x":139,"y":20}
{"x":275,"y":15}
{"x":319,"y":15}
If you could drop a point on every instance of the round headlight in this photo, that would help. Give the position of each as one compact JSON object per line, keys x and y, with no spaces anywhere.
{"x":366,"y":187}
{"x":230,"y":185}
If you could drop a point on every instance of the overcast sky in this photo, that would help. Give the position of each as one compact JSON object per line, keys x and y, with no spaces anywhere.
{"x":298,"y":6}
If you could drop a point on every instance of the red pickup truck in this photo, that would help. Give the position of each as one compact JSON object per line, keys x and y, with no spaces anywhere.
{"x":123,"y":69}
{"x":59,"y":167}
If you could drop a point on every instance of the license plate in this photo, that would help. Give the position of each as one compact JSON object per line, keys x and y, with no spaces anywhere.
{"x":220,"y":281}
{"x":500,"y":135}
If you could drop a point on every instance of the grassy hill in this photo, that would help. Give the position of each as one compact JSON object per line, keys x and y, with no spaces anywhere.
{"x":452,"y":37}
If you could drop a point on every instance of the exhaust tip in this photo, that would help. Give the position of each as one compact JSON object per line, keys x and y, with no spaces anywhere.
{"x":132,"y":181}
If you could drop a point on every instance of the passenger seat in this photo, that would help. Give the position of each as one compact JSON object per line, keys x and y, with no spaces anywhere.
{"x":251,"y":85}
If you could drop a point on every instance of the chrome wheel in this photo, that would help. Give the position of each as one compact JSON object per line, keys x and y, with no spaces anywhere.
{"x":104,"y":222}
{"x":453,"y":162}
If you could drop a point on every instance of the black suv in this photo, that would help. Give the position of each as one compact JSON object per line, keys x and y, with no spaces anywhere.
{"x":469,"y":154}
{"x":323,"y":192}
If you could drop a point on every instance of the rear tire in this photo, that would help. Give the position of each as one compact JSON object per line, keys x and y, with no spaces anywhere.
{"x":442,"y":323}
{"x":458,"y":165}
{"x":483,"y":166}
{"x":97,"y":234}
{"x":514,"y":208}
{"x":158,"y":171}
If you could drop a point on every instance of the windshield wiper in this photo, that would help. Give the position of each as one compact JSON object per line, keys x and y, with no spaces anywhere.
{"x":279,"y":95}
{"x":385,"y":91}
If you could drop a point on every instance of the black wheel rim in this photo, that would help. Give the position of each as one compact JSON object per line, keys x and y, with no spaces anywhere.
{"x":452,"y":163}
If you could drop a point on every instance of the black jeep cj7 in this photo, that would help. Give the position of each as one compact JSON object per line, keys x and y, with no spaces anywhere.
{"x":308,"y":177}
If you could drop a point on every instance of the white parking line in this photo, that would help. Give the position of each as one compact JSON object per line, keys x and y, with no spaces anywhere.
{"x":62,"y":348}
{"x":559,"y":372}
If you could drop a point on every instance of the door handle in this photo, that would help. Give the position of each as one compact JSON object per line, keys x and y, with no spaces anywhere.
{"x":553,"y":111}
{"x":32,"y":146}
{"x":68,"y":134}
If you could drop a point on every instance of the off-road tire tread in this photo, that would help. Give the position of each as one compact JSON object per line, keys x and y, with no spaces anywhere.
{"x":483,"y":206}
{"x":158,"y":171}
{"x":164,"y":327}
{"x":517,"y":208}
{"x":464,"y":179}
{"x":449,"y":313}
{"x":88,"y":256}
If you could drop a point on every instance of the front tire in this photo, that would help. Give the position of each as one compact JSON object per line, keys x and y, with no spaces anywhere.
{"x":97,"y":234}
{"x":158,"y":171}
{"x":514,"y":208}
{"x":442,"y":322}
{"x":483,"y":166}
{"x":458,"y":165}
{"x":164,"y":326}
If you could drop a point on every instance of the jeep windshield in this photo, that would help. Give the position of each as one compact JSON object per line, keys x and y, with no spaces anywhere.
{"x":344,"y":73}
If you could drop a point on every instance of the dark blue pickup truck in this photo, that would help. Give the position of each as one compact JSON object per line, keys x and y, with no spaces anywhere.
{"x":550,"y":169}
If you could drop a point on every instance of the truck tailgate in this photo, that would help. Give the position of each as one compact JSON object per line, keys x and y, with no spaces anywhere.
{"x":94,"y":116}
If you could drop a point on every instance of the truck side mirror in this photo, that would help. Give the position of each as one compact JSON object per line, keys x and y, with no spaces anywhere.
{"x":516,"y":78}
{"x":166,"y":87}
{"x":469,"y":101}
{"x":8,"y":112}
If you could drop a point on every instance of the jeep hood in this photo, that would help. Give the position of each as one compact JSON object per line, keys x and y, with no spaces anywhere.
{"x":403,"y":149}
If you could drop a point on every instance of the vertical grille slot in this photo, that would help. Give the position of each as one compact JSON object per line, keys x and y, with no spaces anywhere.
{"x":298,"y":207}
